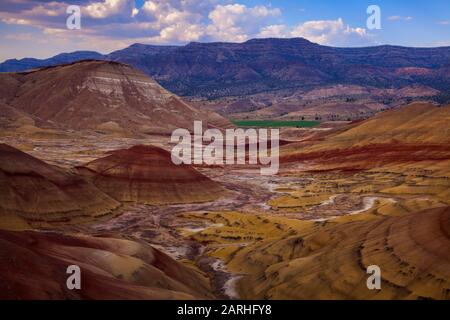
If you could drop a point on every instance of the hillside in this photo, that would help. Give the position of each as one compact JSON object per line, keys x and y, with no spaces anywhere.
{"x":98,"y":95}
{"x":33,"y":266}
{"x":33,"y":190}
{"x":329,"y":261}
{"x":414,"y":133}
{"x":146,"y":174}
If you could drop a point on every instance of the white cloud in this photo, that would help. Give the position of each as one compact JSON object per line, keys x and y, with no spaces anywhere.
{"x":326,"y":32}
{"x":274,"y":31}
{"x":394,"y":18}
{"x":17,"y":21}
{"x":237,"y":22}
{"x":443,"y":43}
{"x":331,"y":32}
{"x":169,"y":22}
{"x":108,"y":8}
{"x":400,"y":18}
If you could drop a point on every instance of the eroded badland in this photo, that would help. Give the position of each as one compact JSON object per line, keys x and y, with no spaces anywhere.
{"x":103,"y":193}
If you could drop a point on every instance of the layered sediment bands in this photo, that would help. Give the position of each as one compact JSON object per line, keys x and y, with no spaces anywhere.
{"x":418,"y":132}
{"x":100,"y":95}
{"x":33,"y":266}
{"x":35,"y":190}
{"x":146,"y":174}
{"x":413,"y":252}
{"x":371,"y":156}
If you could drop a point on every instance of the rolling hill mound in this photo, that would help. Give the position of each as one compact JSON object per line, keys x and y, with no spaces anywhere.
{"x":146,"y":174}
{"x":414,"y":133}
{"x":33,"y":266}
{"x":330,"y":261}
{"x":36,"y":191}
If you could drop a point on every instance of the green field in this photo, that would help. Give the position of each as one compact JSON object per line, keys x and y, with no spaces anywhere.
{"x":274,"y":123}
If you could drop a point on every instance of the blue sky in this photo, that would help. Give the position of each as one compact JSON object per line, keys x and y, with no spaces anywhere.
{"x":33,"y":28}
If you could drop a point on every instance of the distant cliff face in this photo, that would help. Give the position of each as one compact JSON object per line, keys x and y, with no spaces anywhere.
{"x":14,"y":65}
{"x":230,"y":69}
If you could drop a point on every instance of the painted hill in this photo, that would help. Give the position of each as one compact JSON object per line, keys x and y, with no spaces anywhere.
{"x":99,"y":95}
{"x":330,"y":261}
{"x":416,"y":123}
{"x":33,"y":190}
{"x":33,"y":266}
{"x":146,"y":174}
{"x":415,"y":133}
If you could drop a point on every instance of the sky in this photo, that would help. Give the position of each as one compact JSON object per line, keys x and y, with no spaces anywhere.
{"x":32,"y":28}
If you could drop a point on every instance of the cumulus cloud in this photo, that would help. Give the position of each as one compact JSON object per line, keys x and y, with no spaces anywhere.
{"x":113,"y":23}
{"x":164,"y":21}
{"x":175,"y":21}
{"x":326,"y":32}
{"x":236,"y":22}
{"x":274,"y":31}
{"x":108,"y":8}
{"x":331,"y":32}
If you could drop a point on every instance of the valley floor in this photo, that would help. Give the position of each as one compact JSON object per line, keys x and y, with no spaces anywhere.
{"x":297,"y":235}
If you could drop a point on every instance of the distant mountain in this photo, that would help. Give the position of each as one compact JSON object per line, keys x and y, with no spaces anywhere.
{"x":234,"y":69}
{"x":14,"y":65}
{"x":97,"y":95}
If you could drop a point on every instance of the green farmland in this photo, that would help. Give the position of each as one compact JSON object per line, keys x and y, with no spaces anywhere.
{"x":274,"y":123}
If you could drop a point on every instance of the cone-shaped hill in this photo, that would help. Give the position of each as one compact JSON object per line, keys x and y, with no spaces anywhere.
{"x":35,"y":190}
{"x":99,"y":95}
{"x":147,"y":174}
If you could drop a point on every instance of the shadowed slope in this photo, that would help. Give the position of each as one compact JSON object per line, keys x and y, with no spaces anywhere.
{"x":33,"y":266}
{"x":146,"y":174}
{"x":330,"y":261}
{"x":35,"y":190}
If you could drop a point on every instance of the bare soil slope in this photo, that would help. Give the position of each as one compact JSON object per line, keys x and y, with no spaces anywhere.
{"x":418,"y":132}
{"x":146,"y":174}
{"x":34,"y":190}
{"x":33,"y":266}
{"x":98,"y":95}
{"x":330,"y":261}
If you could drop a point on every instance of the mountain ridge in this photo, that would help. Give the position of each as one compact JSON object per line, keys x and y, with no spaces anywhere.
{"x":221,"y":69}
